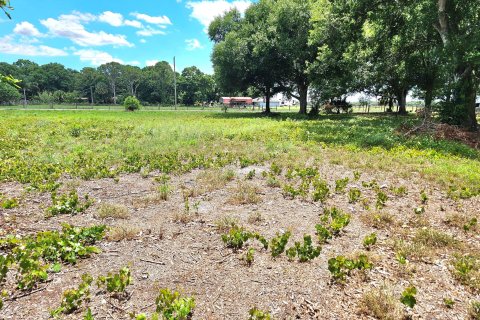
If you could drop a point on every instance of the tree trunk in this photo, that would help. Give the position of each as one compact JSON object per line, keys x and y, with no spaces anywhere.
{"x":24,"y":97}
{"x":428,"y":100}
{"x":91,"y":95}
{"x":402,"y":101}
{"x":303,"y":92}
{"x":114,"y":94}
{"x":267,"y":101}
{"x":467,"y":96}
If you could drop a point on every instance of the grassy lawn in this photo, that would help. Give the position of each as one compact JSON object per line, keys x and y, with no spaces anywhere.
{"x":37,"y":147}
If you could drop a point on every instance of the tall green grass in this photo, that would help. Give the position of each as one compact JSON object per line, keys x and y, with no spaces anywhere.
{"x":38,"y":147}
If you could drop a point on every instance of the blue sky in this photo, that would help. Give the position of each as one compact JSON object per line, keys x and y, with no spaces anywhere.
{"x":80,"y":33}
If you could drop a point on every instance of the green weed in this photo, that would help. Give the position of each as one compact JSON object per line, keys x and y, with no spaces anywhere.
{"x":305,"y":252}
{"x":341,"y":266}
{"x":72,"y":299}
{"x":332,"y":222}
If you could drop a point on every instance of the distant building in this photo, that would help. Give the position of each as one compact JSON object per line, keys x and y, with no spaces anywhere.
{"x":236,"y":101}
{"x":277,"y":100}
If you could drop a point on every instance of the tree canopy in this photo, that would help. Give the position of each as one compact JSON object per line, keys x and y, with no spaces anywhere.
{"x":336,"y":48}
{"x":109,"y":83}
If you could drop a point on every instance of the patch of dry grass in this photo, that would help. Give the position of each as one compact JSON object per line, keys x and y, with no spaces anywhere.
{"x":225,"y":223}
{"x":211,"y":180}
{"x":466,"y":269}
{"x":435,"y":239}
{"x":151,"y":199}
{"x":123,"y":232}
{"x":380,"y":304}
{"x":244,"y":193}
{"x":426,"y":243}
{"x":379,"y":219}
{"x":463,"y":221}
{"x":115,"y":211}
{"x":255,"y":217}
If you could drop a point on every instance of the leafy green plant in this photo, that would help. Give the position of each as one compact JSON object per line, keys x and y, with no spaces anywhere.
{"x":341,"y":185}
{"x":245,"y":162}
{"x":354,"y":195}
{"x":408,"y":297}
{"x":250,"y":175}
{"x":279,"y":243}
{"x":470,"y":225}
{"x":290,"y":191}
{"x":88,"y":315}
{"x":371,"y":185}
{"x":332,"y":222}
{"x":474,"y":310}
{"x":256,"y":314}
{"x":68,"y":204}
{"x":131,"y":104}
{"x":341,"y":266}
{"x":320,"y":190}
{"x":164,"y":191}
{"x":466,"y":269}
{"x":275,"y":169}
{"x":35,"y":255}
{"x":401,"y":258}
{"x":249,"y":256}
{"x":419,"y":210}
{"x":357,"y":175}
{"x":73,"y":298}
{"x":9,"y":203}
{"x":238,"y":236}
{"x":305,"y":251}
{"x":399,"y":191}
{"x":116,"y":282}
{"x":174,"y":307}
{"x":382,"y":199}
{"x":370,"y":241}
{"x":423,"y":197}
{"x":449,"y":303}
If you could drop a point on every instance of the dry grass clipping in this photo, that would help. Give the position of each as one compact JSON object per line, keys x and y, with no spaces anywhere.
{"x":211,"y":180}
{"x":379,"y":220}
{"x":244,"y":193}
{"x":114,"y":211}
{"x":381,"y":304}
{"x":123,"y":232}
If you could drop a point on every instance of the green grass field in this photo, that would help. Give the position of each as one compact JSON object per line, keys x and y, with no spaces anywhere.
{"x":38,"y":147}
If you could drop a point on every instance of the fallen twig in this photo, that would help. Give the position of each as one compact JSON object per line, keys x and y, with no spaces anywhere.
{"x":154,"y":262}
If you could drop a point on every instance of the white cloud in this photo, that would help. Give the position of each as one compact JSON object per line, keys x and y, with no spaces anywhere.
{"x":117,"y":20}
{"x":161,"y":20}
{"x":149,"y":31}
{"x":113,"y":19}
{"x":151,"y":63}
{"x":96,"y":57}
{"x":143,"y":41}
{"x":133,"y":23}
{"x":71,"y":27}
{"x":205,"y":11}
{"x":193,"y":44}
{"x":25,"y":28}
{"x":9,"y":46}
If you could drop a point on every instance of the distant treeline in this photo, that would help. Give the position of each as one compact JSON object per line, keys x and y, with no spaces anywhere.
{"x":108,"y":84}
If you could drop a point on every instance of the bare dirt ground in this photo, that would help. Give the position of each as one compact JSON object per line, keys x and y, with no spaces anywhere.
{"x":190,"y":256}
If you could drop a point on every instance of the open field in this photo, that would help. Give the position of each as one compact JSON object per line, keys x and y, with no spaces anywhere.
{"x":168,"y":185}
{"x":294,"y":109}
